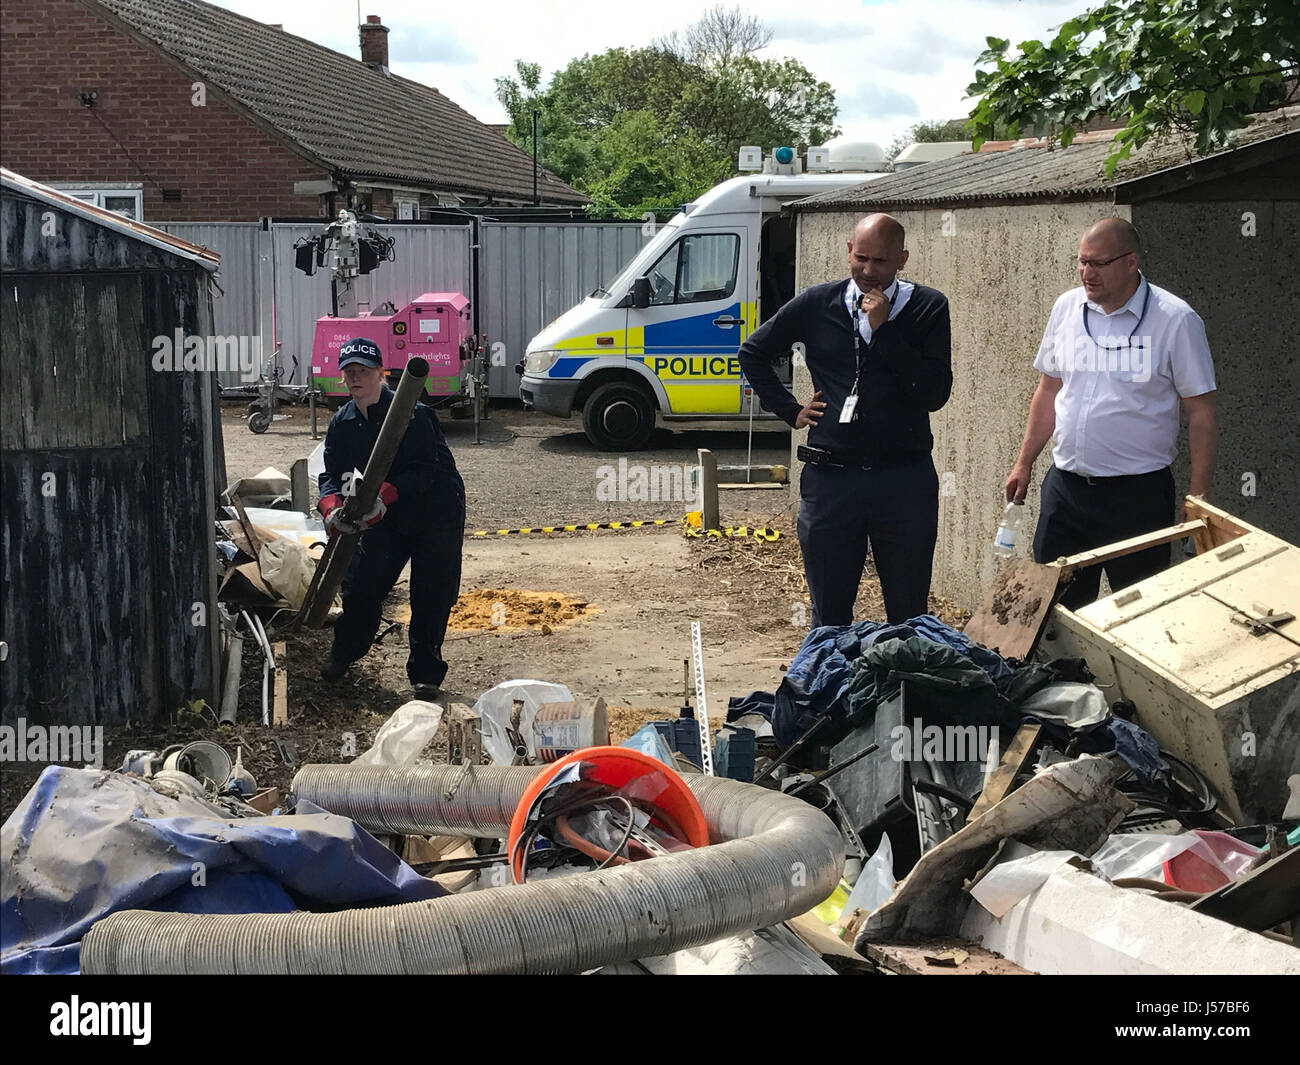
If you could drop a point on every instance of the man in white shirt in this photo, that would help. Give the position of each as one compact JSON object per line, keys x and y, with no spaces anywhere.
{"x":1117,"y":356}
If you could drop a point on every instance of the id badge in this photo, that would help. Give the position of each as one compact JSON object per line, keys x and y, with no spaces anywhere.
{"x":846,"y":411}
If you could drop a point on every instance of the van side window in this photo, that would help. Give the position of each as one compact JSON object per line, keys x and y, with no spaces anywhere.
{"x":696,"y":269}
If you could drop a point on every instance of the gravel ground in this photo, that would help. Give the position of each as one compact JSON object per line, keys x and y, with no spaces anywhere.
{"x":532,"y":469}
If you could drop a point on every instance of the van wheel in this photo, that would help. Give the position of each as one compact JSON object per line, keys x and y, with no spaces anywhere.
{"x":619,"y":417}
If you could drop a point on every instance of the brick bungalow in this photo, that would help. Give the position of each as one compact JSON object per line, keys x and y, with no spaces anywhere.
{"x":179,"y":110}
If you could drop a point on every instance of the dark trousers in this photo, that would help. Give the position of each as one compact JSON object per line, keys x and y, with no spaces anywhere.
{"x":428,"y":531}
{"x":894,"y":510}
{"x":1080,"y":513}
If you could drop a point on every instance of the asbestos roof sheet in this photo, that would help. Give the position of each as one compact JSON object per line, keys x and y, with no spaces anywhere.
{"x":1030,"y":173}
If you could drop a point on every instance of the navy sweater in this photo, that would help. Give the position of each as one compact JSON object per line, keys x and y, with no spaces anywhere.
{"x":423,"y":457}
{"x":906,"y":372}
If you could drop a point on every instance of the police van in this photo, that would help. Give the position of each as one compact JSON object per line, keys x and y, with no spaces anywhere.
{"x":664,"y":335}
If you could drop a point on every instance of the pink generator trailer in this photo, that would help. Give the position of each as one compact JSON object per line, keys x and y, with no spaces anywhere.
{"x":435,"y":326}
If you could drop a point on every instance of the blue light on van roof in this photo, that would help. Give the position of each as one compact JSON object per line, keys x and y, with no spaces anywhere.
{"x":784,"y":155}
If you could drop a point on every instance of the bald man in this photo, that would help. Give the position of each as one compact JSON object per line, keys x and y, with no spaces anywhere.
{"x":1118,"y":355}
{"x":880,"y":354}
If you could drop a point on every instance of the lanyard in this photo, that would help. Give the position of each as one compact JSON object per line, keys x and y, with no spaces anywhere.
{"x":1128,"y":339}
{"x":857,"y":330}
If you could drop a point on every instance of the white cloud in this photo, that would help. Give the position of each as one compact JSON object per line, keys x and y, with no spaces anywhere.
{"x":878,"y":55}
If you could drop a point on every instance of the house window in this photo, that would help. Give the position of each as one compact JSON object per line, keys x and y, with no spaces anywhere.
{"x":408,"y":211}
{"x":127,"y":202}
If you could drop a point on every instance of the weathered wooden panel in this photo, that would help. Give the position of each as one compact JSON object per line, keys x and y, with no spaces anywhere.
{"x":14,"y":399}
{"x":75,"y":344}
{"x":109,"y":599}
{"x":79,"y":589}
{"x":183,"y":532}
{"x":35,"y":236}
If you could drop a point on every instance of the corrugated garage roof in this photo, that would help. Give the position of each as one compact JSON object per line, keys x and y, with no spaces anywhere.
{"x":1028,"y":174}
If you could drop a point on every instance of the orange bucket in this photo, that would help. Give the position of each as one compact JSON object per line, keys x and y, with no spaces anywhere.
{"x":615,"y":767}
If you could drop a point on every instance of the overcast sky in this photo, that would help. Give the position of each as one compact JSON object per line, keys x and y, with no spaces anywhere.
{"x":891,"y":62}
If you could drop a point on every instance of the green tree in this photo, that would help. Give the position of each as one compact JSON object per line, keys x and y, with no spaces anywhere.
{"x":651,"y":128}
{"x":1197,"y":68}
{"x":932,"y":132}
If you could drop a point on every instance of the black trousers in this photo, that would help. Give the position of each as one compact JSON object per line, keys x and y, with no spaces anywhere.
{"x":894,"y":510}
{"x":428,"y":531}
{"x":1080,"y":513}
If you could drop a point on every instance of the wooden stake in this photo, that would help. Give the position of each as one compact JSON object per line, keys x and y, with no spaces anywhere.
{"x":280,"y":707}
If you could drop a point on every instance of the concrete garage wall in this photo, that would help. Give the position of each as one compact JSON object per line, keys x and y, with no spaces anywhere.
{"x":1245,"y":289}
{"x":1001,"y":269}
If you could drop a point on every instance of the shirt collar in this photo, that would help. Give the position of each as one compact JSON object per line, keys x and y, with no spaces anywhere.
{"x":890,"y":292}
{"x":1131,"y":305}
{"x":351,"y":410}
{"x":852,"y":294}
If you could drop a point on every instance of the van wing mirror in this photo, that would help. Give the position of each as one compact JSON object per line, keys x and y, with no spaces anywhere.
{"x":641,"y":292}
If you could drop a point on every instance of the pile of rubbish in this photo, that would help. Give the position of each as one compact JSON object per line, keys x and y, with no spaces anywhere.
{"x":907,"y":801}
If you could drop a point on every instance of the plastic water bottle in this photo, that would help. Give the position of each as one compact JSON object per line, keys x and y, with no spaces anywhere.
{"x":1004,"y":540}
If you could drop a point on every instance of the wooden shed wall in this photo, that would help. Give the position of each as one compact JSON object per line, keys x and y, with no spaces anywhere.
{"x":108,"y":481}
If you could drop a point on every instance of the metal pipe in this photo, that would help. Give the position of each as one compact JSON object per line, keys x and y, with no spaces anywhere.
{"x":772,"y":857}
{"x":230,"y":690}
{"x":338,"y":554}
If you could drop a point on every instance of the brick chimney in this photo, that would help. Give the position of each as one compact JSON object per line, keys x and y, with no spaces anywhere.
{"x":374,"y":44}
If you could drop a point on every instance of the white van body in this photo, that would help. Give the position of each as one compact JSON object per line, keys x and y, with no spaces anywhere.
{"x":720,"y":268}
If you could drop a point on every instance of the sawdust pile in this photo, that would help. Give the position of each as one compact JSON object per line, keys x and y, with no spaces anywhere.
{"x":513,"y":610}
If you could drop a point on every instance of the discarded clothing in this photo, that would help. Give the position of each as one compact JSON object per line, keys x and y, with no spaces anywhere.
{"x":821,"y":671}
{"x":763,"y":703}
{"x":85,"y":843}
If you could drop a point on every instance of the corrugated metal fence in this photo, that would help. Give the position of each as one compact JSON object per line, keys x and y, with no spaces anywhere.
{"x":531,"y":273}
{"x":528,"y":274}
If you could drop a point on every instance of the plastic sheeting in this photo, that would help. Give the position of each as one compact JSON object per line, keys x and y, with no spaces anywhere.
{"x":402,"y":738}
{"x":85,"y":843}
{"x":494,"y":707}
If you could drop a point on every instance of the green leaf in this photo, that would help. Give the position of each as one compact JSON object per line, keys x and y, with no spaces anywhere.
{"x":997,"y":44}
{"x":1067,"y":136}
{"x":1195,"y":100}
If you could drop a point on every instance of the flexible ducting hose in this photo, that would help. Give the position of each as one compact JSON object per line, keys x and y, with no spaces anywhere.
{"x":773,"y":857}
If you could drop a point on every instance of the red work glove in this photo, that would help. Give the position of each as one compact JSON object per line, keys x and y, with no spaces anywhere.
{"x":328,"y":504}
{"x":386,"y":497}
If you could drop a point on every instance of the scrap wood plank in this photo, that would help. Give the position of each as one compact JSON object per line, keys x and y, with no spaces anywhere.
{"x":1000,"y":780}
{"x":464,"y":735}
{"x":1015,"y":608}
{"x":817,"y":936}
{"x":1099,"y":555}
{"x":1222,"y":527}
{"x":280,"y":708}
{"x":909,"y":959}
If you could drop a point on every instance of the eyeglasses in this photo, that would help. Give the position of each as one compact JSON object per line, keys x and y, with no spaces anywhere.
{"x":1098,"y":263}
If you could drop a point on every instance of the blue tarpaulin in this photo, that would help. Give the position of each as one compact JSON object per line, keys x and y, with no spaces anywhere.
{"x":85,"y":843}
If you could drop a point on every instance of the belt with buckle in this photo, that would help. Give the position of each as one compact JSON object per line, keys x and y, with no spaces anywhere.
{"x":828,"y":460}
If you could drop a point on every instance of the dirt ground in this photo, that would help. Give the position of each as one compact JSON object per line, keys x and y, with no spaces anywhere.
{"x":606,"y":612}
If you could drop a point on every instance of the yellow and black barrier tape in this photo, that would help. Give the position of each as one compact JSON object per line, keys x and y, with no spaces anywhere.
{"x":690,"y":528}
{"x":580,"y":527}
{"x":733,"y":531}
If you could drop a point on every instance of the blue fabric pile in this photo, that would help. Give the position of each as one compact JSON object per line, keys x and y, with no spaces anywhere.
{"x":819,"y":679}
{"x":85,"y":843}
